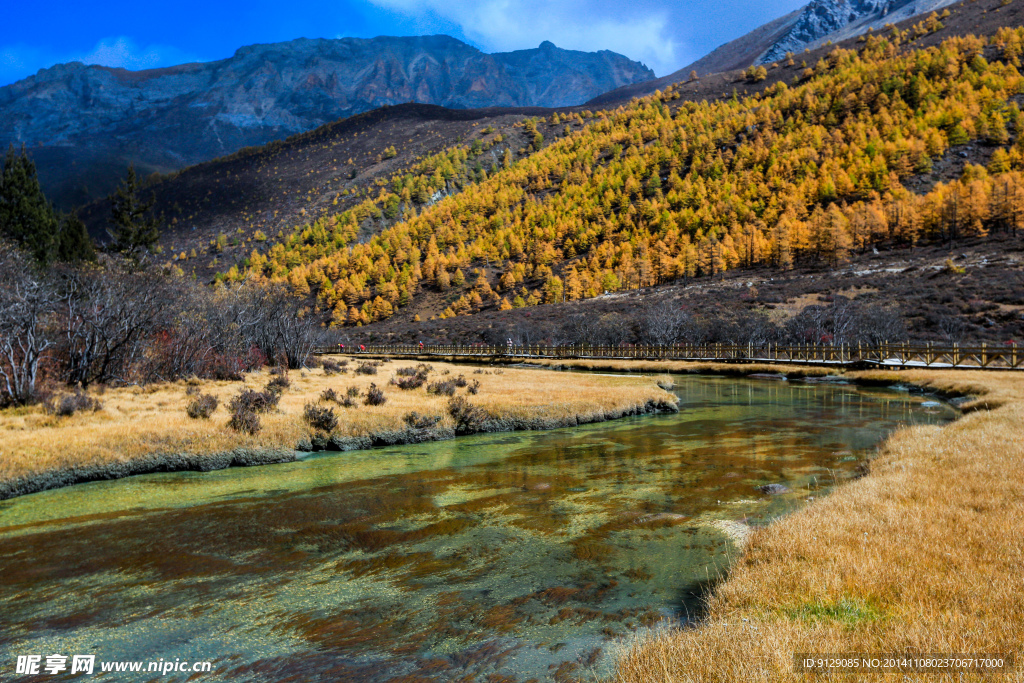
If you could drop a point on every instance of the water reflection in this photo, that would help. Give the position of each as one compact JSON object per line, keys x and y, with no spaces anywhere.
{"x":513,"y":557}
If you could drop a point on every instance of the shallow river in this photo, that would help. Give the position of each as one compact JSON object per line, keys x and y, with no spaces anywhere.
{"x":494,"y":558}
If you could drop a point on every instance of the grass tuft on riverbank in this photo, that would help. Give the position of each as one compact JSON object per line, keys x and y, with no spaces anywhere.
{"x":923,"y":555}
{"x":684,"y":367}
{"x":139,"y":429}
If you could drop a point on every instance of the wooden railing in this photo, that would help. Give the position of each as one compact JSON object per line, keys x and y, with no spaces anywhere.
{"x":1003,"y":357}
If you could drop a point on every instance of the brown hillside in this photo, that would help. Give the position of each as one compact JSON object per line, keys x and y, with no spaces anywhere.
{"x":282,"y":185}
{"x":988,"y":296}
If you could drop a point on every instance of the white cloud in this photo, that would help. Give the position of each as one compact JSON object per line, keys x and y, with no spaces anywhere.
{"x":122,"y":51}
{"x":503,"y":25}
{"x":20,"y":61}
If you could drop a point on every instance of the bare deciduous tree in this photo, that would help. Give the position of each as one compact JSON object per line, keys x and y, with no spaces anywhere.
{"x":284,"y":327}
{"x":664,"y":323}
{"x":107,"y":317}
{"x":26,"y":301}
{"x":952,"y":326}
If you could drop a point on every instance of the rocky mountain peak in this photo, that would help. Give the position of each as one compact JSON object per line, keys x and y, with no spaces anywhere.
{"x":86,"y":121}
{"x":839,"y":19}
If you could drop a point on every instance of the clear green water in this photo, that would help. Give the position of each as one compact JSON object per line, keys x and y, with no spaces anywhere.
{"x":496,"y":558}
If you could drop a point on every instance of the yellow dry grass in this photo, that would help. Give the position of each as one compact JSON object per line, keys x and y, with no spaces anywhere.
{"x":924,"y":555}
{"x":140,"y":421}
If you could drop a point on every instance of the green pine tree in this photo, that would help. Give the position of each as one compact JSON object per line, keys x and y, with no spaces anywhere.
{"x":133,"y":229}
{"x":73,"y":241}
{"x":26,"y":216}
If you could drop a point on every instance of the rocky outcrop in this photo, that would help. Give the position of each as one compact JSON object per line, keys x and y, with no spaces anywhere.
{"x":820,"y":18}
{"x":80,"y":120}
{"x":836,"y":20}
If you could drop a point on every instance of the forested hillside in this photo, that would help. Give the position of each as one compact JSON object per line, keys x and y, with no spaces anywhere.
{"x":663,"y":189}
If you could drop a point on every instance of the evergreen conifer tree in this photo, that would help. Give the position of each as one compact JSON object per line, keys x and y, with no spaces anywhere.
{"x":132,"y":228}
{"x":26,"y":217}
{"x":73,"y":241}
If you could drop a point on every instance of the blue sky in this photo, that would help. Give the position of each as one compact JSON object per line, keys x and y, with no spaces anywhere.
{"x":664,"y":34}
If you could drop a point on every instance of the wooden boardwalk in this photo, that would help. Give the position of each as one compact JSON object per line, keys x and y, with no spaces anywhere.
{"x":983,"y":356}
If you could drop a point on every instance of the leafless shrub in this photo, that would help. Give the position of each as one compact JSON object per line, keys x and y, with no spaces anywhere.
{"x":329,"y":395}
{"x":366,"y":369}
{"x":352,"y":392}
{"x":413,"y":382}
{"x":460,"y":381}
{"x":244,"y":420}
{"x":375,"y":396}
{"x":474,"y":387}
{"x":442,"y":387}
{"x":330,"y":367}
{"x":255,"y":401}
{"x":279,"y":383}
{"x":69,"y":404}
{"x":202,"y":406}
{"x":320,"y":418}
{"x":468,"y":418}
{"x":417,"y":421}
{"x":347,"y":402}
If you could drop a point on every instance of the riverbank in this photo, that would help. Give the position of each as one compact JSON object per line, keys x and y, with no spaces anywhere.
{"x":146,"y":429}
{"x":923,"y":555}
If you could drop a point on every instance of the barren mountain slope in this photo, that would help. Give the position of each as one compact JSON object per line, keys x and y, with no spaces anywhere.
{"x":84,"y":124}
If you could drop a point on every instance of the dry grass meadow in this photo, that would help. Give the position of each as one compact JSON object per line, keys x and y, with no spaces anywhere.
{"x":923,"y":555}
{"x":136,"y":422}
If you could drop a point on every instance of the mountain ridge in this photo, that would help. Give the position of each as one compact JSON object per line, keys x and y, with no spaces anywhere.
{"x":91,"y":121}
